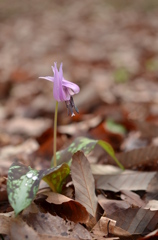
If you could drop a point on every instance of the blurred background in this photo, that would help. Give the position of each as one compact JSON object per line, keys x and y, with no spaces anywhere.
{"x":109,"y":48}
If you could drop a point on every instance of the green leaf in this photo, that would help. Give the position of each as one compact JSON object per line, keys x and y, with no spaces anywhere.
{"x":121,"y":75}
{"x":115,"y":127}
{"x":56,"y":179}
{"x":23,"y":183}
{"x":85,"y":145}
{"x":107,"y":147}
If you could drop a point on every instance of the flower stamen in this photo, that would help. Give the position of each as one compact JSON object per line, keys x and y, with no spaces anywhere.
{"x":70,"y":106}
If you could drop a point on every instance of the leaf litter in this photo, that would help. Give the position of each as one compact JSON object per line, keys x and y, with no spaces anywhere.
{"x":117,"y":74}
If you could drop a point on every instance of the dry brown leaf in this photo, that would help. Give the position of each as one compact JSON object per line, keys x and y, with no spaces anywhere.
{"x":27,"y":126}
{"x":68,"y":208}
{"x":152,"y":205}
{"x":4,"y":224}
{"x":56,"y":226}
{"x":27,"y":147}
{"x":152,"y":190}
{"x":20,"y":230}
{"x":110,"y":205}
{"x":100,"y":169}
{"x":148,"y":130}
{"x":128,"y":180}
{"x":132,"y":198}
{"x":106,"y":226}
{"x":139,"y":157}
{"x":83,"y":182}
{"x":153,"y":235}
{"x":83,"y":126}
{"x":136,"y":221}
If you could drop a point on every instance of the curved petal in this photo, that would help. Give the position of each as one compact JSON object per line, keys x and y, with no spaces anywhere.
{"x":49,"y":78}
{"x":74,"y":87}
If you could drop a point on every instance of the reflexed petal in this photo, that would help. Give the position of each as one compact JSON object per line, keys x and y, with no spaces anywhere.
{"x":49,"y":78}
{"x":63,"y":89}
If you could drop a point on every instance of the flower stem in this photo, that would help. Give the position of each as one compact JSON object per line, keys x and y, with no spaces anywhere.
{"x":55,"y":135}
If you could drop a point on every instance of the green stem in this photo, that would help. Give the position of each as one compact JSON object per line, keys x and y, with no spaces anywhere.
{"x":54,"y":163}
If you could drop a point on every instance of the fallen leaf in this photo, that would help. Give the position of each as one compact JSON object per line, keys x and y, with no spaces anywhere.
{"x":139,"y":157}
{"x":56,"y":226}
{"x":4,"y":224}
{"x":148,"y":130}
{"x":153,"y":235}
{"x":136,"y":221}
{"x":132,"y":198}
{"x":110,"y":205}
{"x":83,"y":182}
{"x":20,"y":230}
{"x":82,"y":126}
{"x":100,"y":169}
{"x":67,"y":208}
{"x":27,"y":147}
{"x":107,"y":226}
{"x":152,"y":205}
{"x":127,"y":180}
{"x":27,"y":126}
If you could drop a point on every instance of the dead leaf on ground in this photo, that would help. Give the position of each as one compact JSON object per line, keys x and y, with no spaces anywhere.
{"x":56,"y":226}
{"x":4,"y":224}
{"x":21,"y":151}
{"x":27,"y":147}
{"x":106,"y":226}
{"x":83,"y":182}
{"x":148,"y":130}
{"x":153,"y":235}
{"x":139,"y":157}
{"x":132,"y":198}
{"x":136,"y":221}
{"x":27,"y":126}
{"x":128,"y":180}
{"x":100,"y":169}
{"x":80,"y":127}
{"x":110,"y":205}
{"x":152,"y":205}
{"x":67,"y":207}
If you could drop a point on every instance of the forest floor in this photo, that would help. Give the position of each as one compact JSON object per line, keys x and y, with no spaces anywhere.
{"x":110,"y":49}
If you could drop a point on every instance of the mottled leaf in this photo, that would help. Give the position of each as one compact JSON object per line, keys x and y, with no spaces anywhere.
{"x":23,"y":183}
{"x":83,"y":182}
{"x":56,"y":178}
{"x":85,"y":145}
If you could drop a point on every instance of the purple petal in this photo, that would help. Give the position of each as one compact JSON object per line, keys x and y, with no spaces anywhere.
{"x":60,"y":93}
{"x":49,"y":78}
{"x":74,"y":87}
{"x":63,"y":89}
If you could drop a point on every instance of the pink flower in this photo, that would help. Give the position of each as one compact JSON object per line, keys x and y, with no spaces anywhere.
{"x":63,"y":90}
